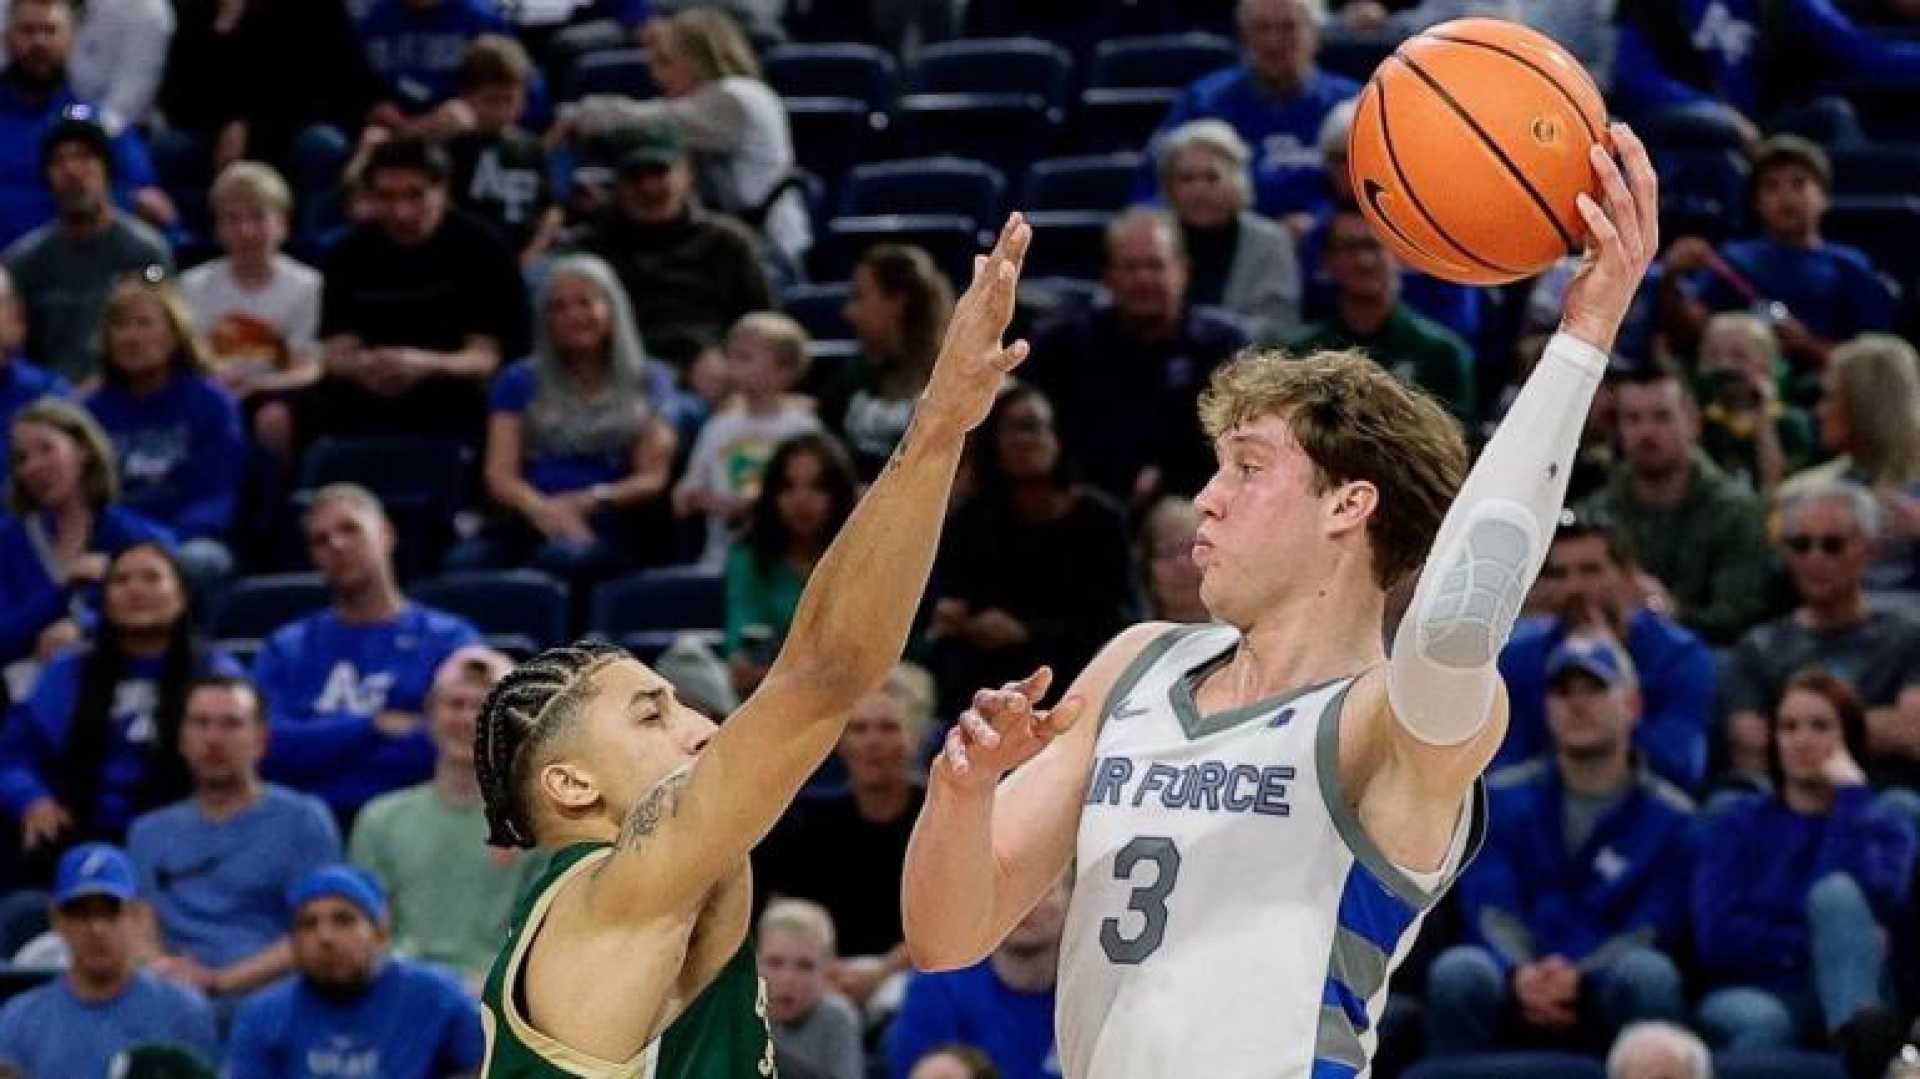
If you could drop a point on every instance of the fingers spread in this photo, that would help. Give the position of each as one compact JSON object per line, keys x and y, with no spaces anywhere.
{"x":1034,"y":686}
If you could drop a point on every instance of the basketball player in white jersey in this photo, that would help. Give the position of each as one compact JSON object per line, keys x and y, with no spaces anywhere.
{"x":1260,"y":810}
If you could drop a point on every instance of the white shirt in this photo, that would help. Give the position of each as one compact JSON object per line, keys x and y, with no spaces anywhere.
{"x":266,"y":326}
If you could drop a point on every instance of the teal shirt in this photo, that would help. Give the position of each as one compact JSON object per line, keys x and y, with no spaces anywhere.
{"x":757,"y":598}
{"x":1416,"y":349}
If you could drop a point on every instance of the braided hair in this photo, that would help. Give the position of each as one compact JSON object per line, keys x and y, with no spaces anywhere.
{"x":519,"y":715}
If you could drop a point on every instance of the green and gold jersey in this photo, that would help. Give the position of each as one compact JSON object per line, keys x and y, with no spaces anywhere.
{"x":722,"y":1034}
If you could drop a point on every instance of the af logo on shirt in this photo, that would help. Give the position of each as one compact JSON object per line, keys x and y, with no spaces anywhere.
{"x":347,"y":691}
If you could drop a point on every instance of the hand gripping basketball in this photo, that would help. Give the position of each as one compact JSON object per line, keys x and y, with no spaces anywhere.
{"x":1621,"y":241}
{"x":1003,"y":730}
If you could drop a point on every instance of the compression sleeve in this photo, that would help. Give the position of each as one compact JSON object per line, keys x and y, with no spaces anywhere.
{"x":1492,"y":543}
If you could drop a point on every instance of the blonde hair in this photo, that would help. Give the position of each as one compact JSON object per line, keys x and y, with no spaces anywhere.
{"x":99,"y":478}
{"x":1747,"y":325}
{"x":912,"y":687}
{"x":148,"y":284}
{"x":788,"y":339}
{"x":1216,"y":137}
{"x":801,"y":917}
{"x":1879,"y":383}
{"x":1354,"y":421}
{"x":253,"y":181}
{"x":712,"y":42}
{"x":351,"y":494}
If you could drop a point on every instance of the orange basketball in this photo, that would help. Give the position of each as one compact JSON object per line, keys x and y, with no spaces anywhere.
{"x":1468,"y":147}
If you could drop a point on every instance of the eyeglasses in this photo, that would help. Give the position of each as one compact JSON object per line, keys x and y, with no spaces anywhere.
{"x":1831,"y":545}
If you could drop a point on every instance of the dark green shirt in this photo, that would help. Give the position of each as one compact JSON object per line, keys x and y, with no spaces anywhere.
{"x":1416,"y":349}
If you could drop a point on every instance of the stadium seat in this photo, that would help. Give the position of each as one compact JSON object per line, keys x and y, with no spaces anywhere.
{"x":253,"y":607}
{"x":519,"y":611}
{"x":1170,"y":60}
{"x":1355,"y":57}
{"x":1007,"y":130}
{"x":1887,"y":227}
{"x":1508,"y":1066}
{"x":830,"y":134}
{"x":926,"y":185}
{"x":833,"y":69}
{"x":1067,"y":243}
{"x":1876,"y":169}
{"x":1016,"y":65}
{"x":1706,"y":128}
{"x":644,"y":611}
{"x":951,"y":239}
{"x":1702,"y":192}
{"x":1094,"y":182}
{"x":611,"y":71}
{"x":1113,"y":118}
{"x":1776,"y":1064}
{"x":818,"y":308}
{"x":1888,"y":113}
{"x":421,"y":482}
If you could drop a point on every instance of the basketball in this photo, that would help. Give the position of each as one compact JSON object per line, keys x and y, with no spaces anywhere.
{"x":1469,"y":146}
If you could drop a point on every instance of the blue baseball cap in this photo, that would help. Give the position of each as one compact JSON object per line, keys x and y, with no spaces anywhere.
{"x":1594,"y":656}
{"x":95,"y":869}
{"x":341,"y":881}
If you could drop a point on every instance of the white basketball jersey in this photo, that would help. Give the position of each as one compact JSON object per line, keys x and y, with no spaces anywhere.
{"x":1229,"y":917}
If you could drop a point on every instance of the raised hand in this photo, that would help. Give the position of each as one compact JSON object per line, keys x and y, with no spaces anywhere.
{"x":1003,"y":730}
{"x":1622,"y":240}
{"x":973,"y":363}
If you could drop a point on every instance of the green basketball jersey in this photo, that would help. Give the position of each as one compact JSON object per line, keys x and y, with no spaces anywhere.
{"x":721,"y":1035}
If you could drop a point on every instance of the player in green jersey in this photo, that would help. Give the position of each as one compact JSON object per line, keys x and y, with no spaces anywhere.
{"x":629,"y":957}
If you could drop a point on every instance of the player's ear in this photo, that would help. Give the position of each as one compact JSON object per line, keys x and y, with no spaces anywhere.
{"x":1350,"y":504}
{"x":568,"y":785}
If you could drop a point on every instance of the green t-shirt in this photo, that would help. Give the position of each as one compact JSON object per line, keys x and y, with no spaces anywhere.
{"x":722,"y":1034}
{"x":451,"y":894}
{"x":1416,"y":349}
{"x":757,"y":598}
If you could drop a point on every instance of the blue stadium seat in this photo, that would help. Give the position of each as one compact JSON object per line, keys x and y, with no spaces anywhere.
{"x":1876,"y":169}
{"x":645,"y":610}
{"x":1693,"y":128}
{"x":1013,"y":65}
{"x":610,"y":71}
{"x":1120,"y":119}
{"x":1169,"y":60}
{"x":818,"y":308}
{"x":830,"y":134}
{"x":1889,"y":113}
{"x":1776,"y":1064}
{"x":1093,"y":182}
{"x":1005,"y":129}
{"x":952,"y":240}
{"x":833,"y":69}
{"x":422,"y":483}
{"x":1887,"y":227}
{"x":1355,"y":57}
{"x":1068,"y":243}
{"x":926,"y":185}
{"x":1702,"y":192}
{"x":253,"y":607}
{"x":1508,"y":1066}
{"x":519,"y":611}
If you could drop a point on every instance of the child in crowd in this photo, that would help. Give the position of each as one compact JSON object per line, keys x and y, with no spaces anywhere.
{"x":819,"y":1031}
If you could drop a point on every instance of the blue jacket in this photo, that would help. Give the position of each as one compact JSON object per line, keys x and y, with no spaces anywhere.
{"x":1832,"y":288}
{"x":1526,"y":897}
{"x":33,"y":600}
{"x":183,"y":451}
{"x":25,"y":201}
{"x":1288,"y":174}
{"x":1758,"y":859}
{"x":974,"y":1007}
{"x":1676,"y":688}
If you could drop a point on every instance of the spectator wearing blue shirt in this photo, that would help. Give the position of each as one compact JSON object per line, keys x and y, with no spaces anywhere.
{"x":178,"y":432}
{"x":346,"y":687}
{"x":22,"y":382}
{"x":576,"y":443}
{"x":34,"y":97}
{"x":103,"y":1006}
{"x":1588,"y":581}
{"x":1002,"y":1005}
{"x":415,"y":47}
{"x":216,"y":867}
{"x":1276,"y":99}
{"x":353,"y":1009}
{"x":1580,"y":896}
{"x":1818,"y":293}
{"x":1796,"y":892}
{"x":94,"y":744}
{"x":63,"y":527}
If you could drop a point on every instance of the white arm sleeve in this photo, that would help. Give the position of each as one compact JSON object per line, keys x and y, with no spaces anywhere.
{"x":1492,"y":543}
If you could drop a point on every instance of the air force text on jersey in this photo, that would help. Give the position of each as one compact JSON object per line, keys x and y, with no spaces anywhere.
{"x":1209,"y":786}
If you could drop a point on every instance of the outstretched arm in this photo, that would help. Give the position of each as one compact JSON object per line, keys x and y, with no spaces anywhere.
{"x":1442,"y":683}
{"x":852,"y":620}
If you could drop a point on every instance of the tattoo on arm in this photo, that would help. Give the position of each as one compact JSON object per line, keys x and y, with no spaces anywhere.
{"x":659,"y":804}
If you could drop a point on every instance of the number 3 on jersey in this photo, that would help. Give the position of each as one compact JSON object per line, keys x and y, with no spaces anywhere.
{"x":1149,"y":899}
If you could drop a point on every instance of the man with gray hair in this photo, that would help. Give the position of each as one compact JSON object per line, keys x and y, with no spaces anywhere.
{"x":1659,"y":1051}
{"x":345,"y":687}
{"x":1240,"y":261}
{"x":1125,"y":378}
{"x":1276,"y":99}
{"x":1827,"y":532}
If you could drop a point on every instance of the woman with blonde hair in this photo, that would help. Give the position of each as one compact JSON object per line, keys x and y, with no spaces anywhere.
{"x":1869,"y":414}
{"x":181,"y":445}
{"x":1240,"y":262}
